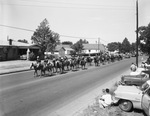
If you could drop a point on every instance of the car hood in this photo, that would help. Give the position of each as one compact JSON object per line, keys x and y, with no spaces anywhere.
{"x":131,"y":89}
{"x":132,"y":93}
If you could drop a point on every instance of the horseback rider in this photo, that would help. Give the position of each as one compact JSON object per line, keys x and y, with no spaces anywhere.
{"x":46,"y":59}
{"x":38,"y":61}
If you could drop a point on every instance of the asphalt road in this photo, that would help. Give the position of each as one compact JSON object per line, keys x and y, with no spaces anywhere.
{"x":23,"y":95}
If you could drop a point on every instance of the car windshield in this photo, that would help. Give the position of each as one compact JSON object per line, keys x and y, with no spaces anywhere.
{"x":144,"y":86}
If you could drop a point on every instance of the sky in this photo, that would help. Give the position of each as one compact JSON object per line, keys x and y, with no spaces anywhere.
{"x":108,"y":20}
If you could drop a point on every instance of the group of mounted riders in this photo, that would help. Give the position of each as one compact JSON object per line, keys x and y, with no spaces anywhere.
{"x":61,"y":64}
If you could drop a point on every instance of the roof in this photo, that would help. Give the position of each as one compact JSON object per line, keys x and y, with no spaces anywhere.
{"x":94,"y":46}
{"x":14,"y":43}
{"x":18,"y":44}
{"x":66,"y":47}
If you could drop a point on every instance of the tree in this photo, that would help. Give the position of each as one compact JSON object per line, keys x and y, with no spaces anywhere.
{"x":133,"y":47}
{"x":84,"y":41}
{"x":126,"y":47}
{"x":144,"y":32}
{"x":112,"y":46}
{"x":78,"y":46}
{"x":23,"y":41}
{"x":45,"y":38}
{"x":67,"y":43}
{"x":119,"y":47}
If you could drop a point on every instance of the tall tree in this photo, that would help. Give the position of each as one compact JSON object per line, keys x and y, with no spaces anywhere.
{"x":126,"y":45}
{"x":45,"y":37}
{"x":114,"y":46}
{"x":144,"y":37}
{"x":119,"y":47}
{"x":133,"y":47}
{"x":78,"y":46}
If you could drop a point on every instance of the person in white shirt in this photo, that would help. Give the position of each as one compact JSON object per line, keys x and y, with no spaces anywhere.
{"x":106,"y":99}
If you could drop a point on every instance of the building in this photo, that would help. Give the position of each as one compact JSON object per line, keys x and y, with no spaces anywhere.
{"x":94,"y":48}
{"x":12,"y":50}
{"x":63,"y":50}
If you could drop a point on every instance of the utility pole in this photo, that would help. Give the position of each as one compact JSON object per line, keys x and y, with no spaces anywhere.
{"x":99,"y":46}
{"x":137,"y":41}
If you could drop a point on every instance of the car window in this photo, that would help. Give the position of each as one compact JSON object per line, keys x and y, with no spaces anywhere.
{"x":148,"y":92}
{"x":144,"y":86}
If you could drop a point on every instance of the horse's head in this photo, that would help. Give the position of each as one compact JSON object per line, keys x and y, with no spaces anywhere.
{"x":32,"y":65}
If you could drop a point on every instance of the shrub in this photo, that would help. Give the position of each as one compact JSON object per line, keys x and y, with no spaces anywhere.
{"x":32,"y":56}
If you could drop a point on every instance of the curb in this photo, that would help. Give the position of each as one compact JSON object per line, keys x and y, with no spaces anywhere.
{"x":15,"y":71}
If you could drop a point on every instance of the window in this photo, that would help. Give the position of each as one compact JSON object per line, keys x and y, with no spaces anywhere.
{"x":144,"y":86}
{"x":148,"y":92}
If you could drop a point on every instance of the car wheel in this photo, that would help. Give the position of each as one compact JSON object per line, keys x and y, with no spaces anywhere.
{"x":148,"y":111}
{"x":125,"y":105}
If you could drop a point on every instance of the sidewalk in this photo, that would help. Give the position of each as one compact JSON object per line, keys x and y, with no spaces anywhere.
{"x":7,"y":67}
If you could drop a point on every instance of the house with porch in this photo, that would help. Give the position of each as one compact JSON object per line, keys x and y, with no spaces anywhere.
{"x":12,"y":50}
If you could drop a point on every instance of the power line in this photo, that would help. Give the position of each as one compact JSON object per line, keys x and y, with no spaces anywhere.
{"x":77,"y":37}
{"x":60,"y":34}
{"x":16,"y":28}
{"x":72,"y":7}
{"x":78,"y":4}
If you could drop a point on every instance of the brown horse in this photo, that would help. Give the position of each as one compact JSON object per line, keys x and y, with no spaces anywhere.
{"x":42,"y":67}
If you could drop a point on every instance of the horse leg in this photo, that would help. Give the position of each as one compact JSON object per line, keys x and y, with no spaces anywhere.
{"x":40,"y":73}
{"x":35,"y":73}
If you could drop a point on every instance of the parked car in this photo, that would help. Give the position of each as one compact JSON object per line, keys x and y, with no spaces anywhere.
{"x":23,"y":57}
{"x":137,"y":80}
{"x":127,"y":56}
{"x":137,"y":97}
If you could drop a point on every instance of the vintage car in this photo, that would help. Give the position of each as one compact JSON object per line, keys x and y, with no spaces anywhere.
{"x":137,"y":97}
{"x":137,"y":80}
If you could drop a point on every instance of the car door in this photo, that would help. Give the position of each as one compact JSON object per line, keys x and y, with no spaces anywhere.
{"x":145,"y":78}
{"x":146,"y":102}
{"x":135,"y":80}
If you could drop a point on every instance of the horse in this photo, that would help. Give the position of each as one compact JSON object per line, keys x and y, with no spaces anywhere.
{"x":50,"y":66}
{"x":72,"y":64}
{"x":83,"y":63}
{"x":96,"y":60}
{"x":112,"y":57}
{"x":102,"y":59}
{"x":89,"y":60}
{"x":59,"y":65}
{"x":67,"y":64}
{"x":36,"y":67}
